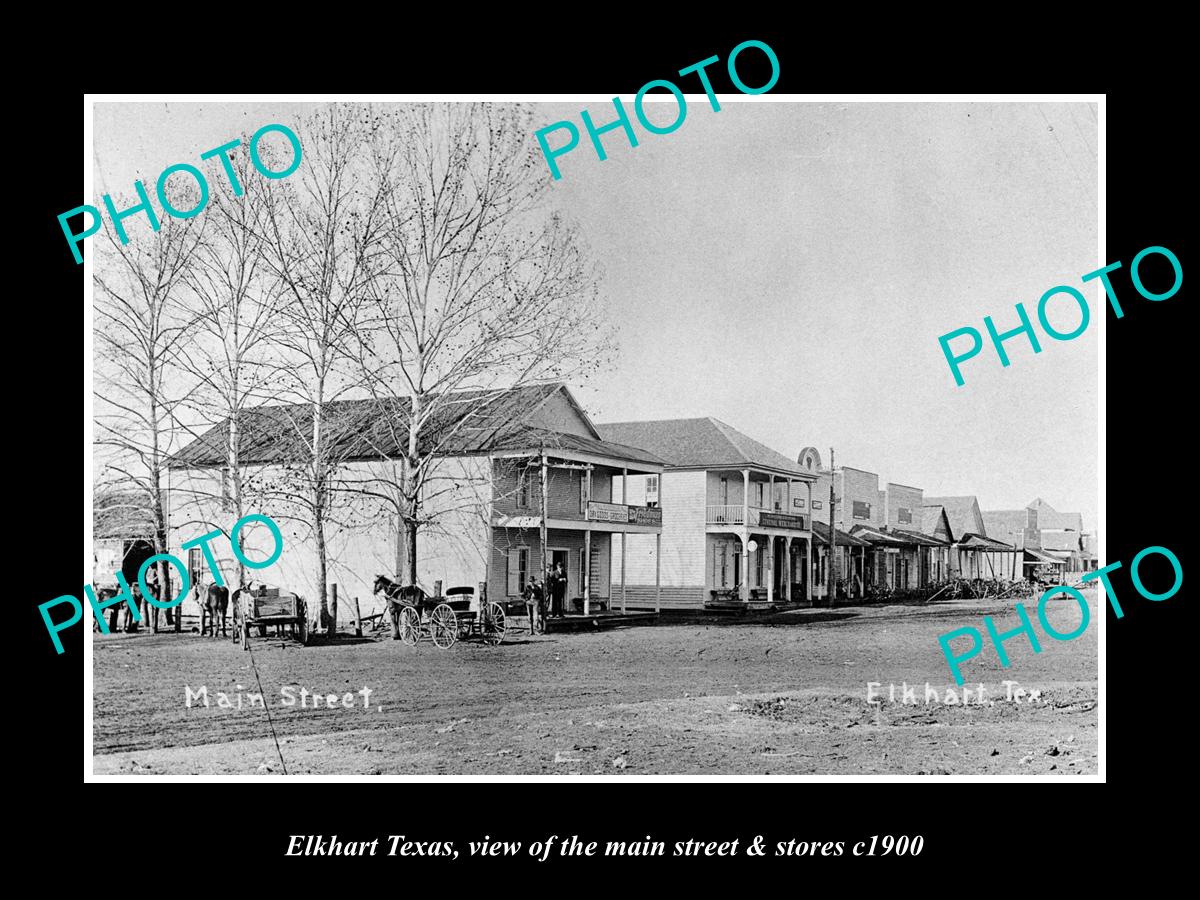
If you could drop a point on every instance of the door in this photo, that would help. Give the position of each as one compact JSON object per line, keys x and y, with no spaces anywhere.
{"x":564,"y":556}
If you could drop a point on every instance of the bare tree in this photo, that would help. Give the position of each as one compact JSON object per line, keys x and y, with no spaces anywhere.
{"x":140,"y":324}
{"x":236,"y":295}
{"x":320,"y":226}
{"x":476,"y":285}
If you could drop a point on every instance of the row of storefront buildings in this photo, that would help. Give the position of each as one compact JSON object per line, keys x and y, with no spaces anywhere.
{"x":678,"y":514}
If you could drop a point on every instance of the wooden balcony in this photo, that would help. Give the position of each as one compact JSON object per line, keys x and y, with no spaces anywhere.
{"x":758,"y":518}
{"x":623,"y":514}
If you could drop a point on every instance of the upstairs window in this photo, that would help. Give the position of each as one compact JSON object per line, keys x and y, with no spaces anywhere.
{"x":522,"y":488}
{"x":652,"y":490}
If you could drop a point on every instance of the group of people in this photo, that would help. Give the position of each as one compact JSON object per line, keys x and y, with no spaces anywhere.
{"x":536,"y":592}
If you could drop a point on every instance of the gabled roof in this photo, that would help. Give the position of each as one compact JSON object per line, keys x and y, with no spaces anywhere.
{"x":698,"y":443}
{"x":933,"y":517}
{"x":1004,"y":522}
{"x":821,"y":536}
{"x":1049,"y":517}
{"x":461,"y":423}
{"x":962,"y":512}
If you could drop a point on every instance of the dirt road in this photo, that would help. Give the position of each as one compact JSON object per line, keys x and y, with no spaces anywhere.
{"x":778,"y":695}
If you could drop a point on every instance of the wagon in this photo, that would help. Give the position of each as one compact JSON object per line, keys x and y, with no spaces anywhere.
{"x":269,"y":606}
{"x":447,"y":620}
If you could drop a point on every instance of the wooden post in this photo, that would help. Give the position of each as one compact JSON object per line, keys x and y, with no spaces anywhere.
{"x":542,"y":531}
{"x":587,"y":572}
{"x":332,"y":609}
{"x":744,"y":587}
{"x":622,"y":572}
{"x":357,"y":618}
{"x":830,"y":582}
{"x":657,"y":573}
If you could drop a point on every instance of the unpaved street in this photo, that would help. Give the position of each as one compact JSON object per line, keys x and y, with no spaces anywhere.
{"x":777,"y":695}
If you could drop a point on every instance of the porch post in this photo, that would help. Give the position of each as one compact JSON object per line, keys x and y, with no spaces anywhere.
{"x":542,"y":530}
{"x":744,"y":588}
{"x":587,"y":572}
{"x":657,"y":571}
{"x":587,"y":551}
{"x":808,"y":561}
{"x":787,"y":560}
{"x":769,"y":568}
{"x":622,"y":572}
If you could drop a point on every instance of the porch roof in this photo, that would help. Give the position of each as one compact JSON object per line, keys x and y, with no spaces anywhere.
{"x":979,"y":542}
{"x":845,"y":539}
{"x":879,"y":538}
{"x":560,"y":444}
{"x":925,"y":540}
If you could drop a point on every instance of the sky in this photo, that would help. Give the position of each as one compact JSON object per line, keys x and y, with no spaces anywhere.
{"x":788,"y":267}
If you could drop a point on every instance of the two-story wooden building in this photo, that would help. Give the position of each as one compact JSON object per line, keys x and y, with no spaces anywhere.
{"x":520,"y":480}
{"x":736,"y":530}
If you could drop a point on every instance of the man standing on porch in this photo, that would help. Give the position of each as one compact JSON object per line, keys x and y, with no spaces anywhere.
{"x":558,"y":590}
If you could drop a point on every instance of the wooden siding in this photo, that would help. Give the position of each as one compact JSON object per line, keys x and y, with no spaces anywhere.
{"x":683,"y":538}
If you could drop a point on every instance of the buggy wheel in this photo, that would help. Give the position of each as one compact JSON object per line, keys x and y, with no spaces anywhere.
{"x":493,"y":624}
{"x":410,"y":625}
{"x":443,"y":626}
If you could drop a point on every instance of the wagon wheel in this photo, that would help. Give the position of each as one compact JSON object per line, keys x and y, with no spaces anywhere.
{"x":410,"y":625}
{"x":493,"y":625}
{"x":443,"y":626}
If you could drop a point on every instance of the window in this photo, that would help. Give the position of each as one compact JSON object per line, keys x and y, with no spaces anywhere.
{"x":724,"y":491}
{"x":862,"y":510}
{"x":583,"y":497}
{"x":523,"y":489}
{"x":904,"y":516}
{"x":758,"y":494}
{"x":195,"y":561}
{"x":518,"y":570}
{"x":652,"y":490}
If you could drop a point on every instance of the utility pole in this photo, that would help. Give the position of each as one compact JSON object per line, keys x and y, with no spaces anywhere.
{"x":832,"y":532}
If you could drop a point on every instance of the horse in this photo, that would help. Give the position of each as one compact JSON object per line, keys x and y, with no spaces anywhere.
{"x":214,"y":605}
{"x":398,"y":596}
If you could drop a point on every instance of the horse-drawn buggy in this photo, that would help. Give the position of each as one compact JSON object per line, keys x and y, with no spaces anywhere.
{"x":445,"y":620}
{"x":262,"y":606}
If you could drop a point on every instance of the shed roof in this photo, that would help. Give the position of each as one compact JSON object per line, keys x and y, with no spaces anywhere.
{"x":844,"y":539}
{"x":981,"y":542}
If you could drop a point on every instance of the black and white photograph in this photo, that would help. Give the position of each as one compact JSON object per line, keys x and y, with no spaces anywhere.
{"x":679,"y":435}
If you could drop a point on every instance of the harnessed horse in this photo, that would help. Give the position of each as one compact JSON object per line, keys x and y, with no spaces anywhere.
{"x":399,"y":596}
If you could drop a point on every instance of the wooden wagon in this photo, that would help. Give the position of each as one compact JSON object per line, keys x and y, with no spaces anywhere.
{"x":268,"y":606}
{"x":446,"y":620}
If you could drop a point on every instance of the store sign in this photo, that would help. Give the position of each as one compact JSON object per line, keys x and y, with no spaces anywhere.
{"x":780,"y":520}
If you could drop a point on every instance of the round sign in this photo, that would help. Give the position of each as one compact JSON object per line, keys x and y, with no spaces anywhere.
{"x":752,"y":546}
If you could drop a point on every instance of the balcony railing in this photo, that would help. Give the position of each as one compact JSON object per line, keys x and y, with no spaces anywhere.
{"x":622,"y":514}
{"x":762,"y":518}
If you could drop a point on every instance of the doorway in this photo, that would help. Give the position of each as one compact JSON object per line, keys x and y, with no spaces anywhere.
{"x":562,"y":555}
